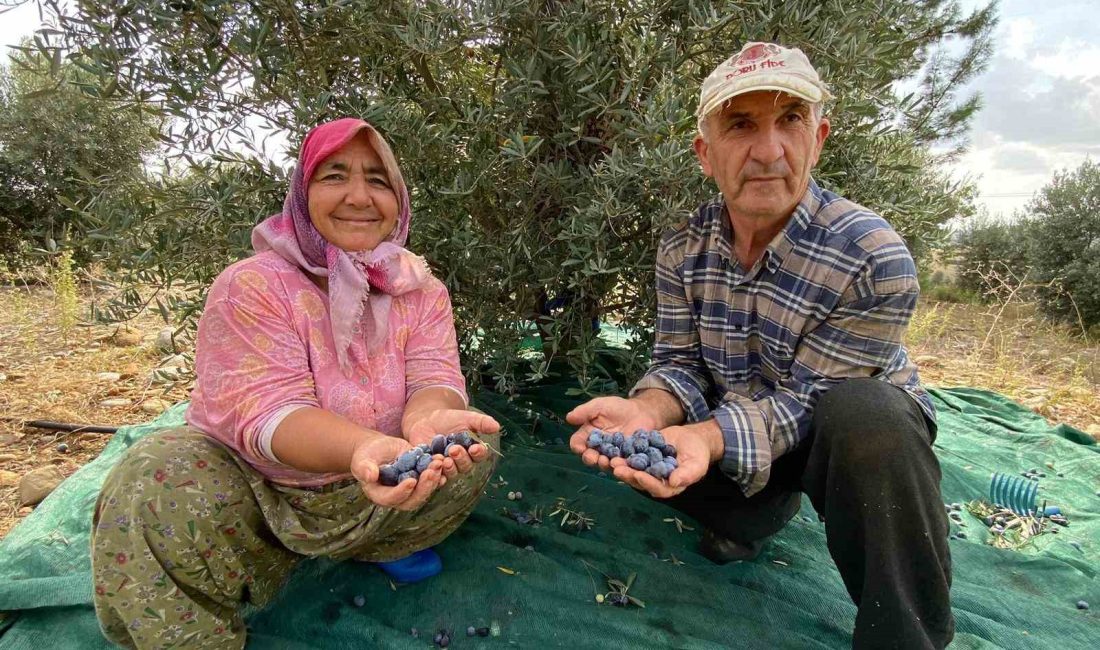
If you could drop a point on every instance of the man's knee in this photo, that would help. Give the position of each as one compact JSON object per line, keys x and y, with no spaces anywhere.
{"x":868,"y":425}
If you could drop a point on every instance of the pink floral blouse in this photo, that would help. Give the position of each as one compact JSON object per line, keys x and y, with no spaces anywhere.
{"x":265,"y":349}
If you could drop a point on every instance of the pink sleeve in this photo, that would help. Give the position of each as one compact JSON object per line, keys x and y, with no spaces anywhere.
{"x":431,"y":351}
{"x":252,"y":365}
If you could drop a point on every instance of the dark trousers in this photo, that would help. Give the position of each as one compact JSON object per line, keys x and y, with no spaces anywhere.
{"x":869,"y":470}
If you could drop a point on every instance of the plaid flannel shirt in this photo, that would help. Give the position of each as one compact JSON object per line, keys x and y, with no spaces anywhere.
{"x":755,"y":349}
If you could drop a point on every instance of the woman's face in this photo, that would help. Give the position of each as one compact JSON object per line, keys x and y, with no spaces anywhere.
{"x":351,"y":201}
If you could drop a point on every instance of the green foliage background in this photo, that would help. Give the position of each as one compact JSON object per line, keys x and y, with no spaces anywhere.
{"x":1064,"y":243}
{"x":547,"y":143}
{"x":986,"y":245}
{"x":54,"y":141}
{"x":1054,"y":241}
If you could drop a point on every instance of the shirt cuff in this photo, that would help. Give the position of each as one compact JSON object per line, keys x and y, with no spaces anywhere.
{"x":747,"y":458}
{"x":267,"y":430}
{"x":679,"y":384}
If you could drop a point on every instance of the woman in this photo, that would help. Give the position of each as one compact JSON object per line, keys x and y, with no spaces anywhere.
{"x":328,"y":353}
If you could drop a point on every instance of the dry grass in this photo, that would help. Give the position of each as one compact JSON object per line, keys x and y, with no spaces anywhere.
{"x":51,"y":374}
{"x":1048,"y":368}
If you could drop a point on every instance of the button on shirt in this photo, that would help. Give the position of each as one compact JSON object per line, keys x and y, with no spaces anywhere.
{"x":755,"y":349}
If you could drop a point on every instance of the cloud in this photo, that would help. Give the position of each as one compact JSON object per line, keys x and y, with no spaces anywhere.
{"x":1072,"y":58}
{"x":1043,"y":85}
{"x":1025,"y":102}
{"x":1020,"y":158}
{"x":1040,"y":101}
{"x":1027,"y":26}
{"x":1007,"y":175}
{"x":1019,"y":35}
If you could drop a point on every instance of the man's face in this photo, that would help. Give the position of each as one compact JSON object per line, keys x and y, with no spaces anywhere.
{"x":759,"y":148}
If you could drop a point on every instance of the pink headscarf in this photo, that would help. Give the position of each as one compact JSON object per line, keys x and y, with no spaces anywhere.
{"x":389,"y":269}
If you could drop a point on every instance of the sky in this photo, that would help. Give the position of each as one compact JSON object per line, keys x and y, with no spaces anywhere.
{"x":1040,"y":101}
{"x":1041,"y":97}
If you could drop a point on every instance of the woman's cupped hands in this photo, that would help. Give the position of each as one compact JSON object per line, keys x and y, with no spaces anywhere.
{"x":446,"y":421}
{"x":410,"y":494}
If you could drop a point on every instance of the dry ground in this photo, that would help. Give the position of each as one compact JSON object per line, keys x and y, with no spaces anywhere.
{"x":1049,"y":368}
{"x":51,"y":373}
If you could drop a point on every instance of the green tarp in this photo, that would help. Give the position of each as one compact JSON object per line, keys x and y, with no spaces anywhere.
{"x":538,"y":582}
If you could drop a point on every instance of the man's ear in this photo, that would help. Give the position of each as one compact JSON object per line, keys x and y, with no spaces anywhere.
{"x":701,"y":149}
{"x":823,"y":129}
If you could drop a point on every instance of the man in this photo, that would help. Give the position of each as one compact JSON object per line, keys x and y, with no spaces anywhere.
{"x":778,"y":366}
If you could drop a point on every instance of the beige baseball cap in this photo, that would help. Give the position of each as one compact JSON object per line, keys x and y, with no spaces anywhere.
{"x":761,"y":66}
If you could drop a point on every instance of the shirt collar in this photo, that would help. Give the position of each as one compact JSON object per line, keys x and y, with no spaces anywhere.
{"x":721,"y":237}
{"x":783,"y":242}
{"x":800,"y":220}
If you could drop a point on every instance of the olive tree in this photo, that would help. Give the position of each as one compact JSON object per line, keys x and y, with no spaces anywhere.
{"x":54,"y":140}
{"x":1063,"y":234}
{"x":547,"y":143}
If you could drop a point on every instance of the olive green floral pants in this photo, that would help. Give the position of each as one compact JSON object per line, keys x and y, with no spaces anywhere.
{"x":185,"y":531}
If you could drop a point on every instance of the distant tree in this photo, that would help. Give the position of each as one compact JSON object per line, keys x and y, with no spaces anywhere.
{"x":1064,"y":235}
{"x":547,"y":142}
{"x":54,"y":140}
{"x":985,"y":245}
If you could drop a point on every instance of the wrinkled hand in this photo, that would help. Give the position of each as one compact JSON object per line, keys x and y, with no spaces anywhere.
{"x":693,"y":454}
{"x":607,"y":414}
{"x":445,"y":421}
{"x":408,"y":494}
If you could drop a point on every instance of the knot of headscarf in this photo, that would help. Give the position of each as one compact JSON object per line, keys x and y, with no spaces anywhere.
{"x":389,"y":269}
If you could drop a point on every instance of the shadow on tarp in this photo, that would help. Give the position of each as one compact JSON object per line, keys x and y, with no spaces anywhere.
{"x":538,"y":582}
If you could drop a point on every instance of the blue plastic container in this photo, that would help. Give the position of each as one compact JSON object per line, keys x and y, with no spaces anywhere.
{"x":1014,"y":492}
{"x":413,"y":568}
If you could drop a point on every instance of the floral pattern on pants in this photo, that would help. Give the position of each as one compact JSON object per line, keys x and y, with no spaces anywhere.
{"x":185,"y":531}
